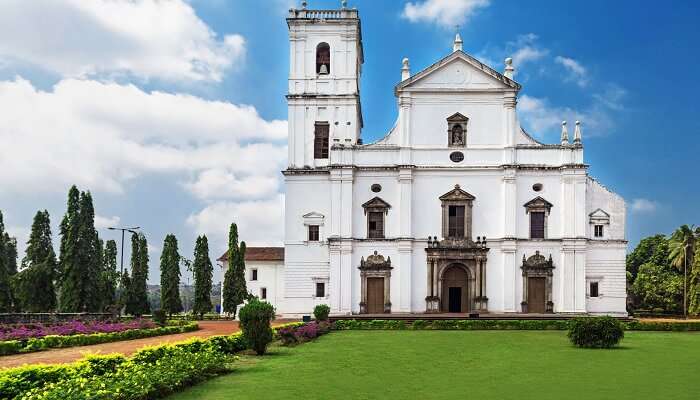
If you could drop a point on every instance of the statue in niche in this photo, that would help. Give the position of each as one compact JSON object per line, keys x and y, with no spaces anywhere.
{"x":457,"y":135}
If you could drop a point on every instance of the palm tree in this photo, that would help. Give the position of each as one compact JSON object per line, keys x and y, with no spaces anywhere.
{"x":682,"y":249}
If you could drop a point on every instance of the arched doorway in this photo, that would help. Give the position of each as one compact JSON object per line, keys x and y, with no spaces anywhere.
{"x":455,"y":283}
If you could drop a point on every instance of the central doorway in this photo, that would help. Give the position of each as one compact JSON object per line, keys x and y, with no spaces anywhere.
{"x":375,"y":295}
{"x":536,"y":295}
{"x":454,"y":290}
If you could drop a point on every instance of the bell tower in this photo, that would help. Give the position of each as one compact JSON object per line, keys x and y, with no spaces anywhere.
{"x":323,"y":97}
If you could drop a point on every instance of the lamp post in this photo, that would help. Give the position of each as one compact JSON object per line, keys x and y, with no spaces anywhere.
{"x":121,"y":271}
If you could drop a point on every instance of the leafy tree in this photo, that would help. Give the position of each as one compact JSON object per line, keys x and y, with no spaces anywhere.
{"x":137,"y":302}
{"x":170,"y":276}
{"x":652,"y":249}
{"x":203,"y":272}
{"x":8,"y":250}
{"x":694,"y":286}
{"x":682,"y":252}
{"x":110,"y":274}
{"x":34,"y":285}
{"x":658,"y":287}
{"x":234,"y":289}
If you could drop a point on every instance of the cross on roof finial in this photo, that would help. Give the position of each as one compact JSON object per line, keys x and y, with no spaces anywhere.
{"x":458,"y":43}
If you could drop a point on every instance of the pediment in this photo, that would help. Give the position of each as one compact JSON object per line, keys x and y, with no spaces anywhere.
{"x":457,"y":117}
{"x":458,"y":71}
{"x":599,"y":216}
{"x":599,"y":213}
{"x":457,"y":194}
{"x":538,"y":202}
{"x":376,"y":203}
{"x":313,"y":214}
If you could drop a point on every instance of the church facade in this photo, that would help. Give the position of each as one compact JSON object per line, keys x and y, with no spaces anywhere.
{"x":456,"y":209}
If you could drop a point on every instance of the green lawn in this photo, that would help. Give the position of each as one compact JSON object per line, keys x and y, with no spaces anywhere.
{"x":465,"y":365}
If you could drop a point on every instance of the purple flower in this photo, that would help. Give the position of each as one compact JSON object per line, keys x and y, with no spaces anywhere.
{"x":37,"y":330}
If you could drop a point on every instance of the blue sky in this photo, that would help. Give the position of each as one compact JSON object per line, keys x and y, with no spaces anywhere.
{"x":173,"y":113}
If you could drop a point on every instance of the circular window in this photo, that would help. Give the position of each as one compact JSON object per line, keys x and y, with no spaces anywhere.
{"x":376,"y":188}
{"x":537,"y":187}
{"x":457,"y":156}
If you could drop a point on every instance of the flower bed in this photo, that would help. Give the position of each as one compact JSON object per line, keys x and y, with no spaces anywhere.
{"x":38,"y":330}
{"x":152,"y":372}
{"x":299,"y":333}
{"x":55,"y":341}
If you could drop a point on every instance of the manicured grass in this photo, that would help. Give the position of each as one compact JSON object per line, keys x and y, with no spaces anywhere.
{"x":465,"y":365}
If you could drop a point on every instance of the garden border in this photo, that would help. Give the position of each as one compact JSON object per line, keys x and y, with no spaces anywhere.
{"x":475,"y":324}
{"x":9,"y":347}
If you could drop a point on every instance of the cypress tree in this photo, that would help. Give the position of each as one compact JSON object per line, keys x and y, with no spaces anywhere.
{"x":68,"y":232}
{"x":71,"y":274}
{"x":8,"y":249}
{"x":229,"y":304}
{"x":110,"y":275}
{"x":203,"y":272}
{"x":240,"y":291}
{"x":34,"y":285}
{"x":137,"y":304}
{"x":170,"y":276}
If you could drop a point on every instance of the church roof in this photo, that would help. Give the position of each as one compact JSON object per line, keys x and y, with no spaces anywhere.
{"x":458,"y":54}
{"x":260,"y":254}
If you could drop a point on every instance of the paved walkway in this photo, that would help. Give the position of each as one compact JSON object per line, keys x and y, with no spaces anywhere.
{"x":126,"y":347}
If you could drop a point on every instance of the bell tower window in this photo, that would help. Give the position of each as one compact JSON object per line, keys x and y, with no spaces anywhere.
{"x":321,"y":140}
{"x":323,"y":59}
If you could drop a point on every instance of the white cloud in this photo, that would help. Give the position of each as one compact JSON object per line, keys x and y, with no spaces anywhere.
{"x":446,"y":13}
{"x":106,"y":222}
{"x":101,"y":135}
{"x":611,"y":97}
{"x":108,"y":38}
{"x":540,"y":118}
{"x":526,"y":49}
{"x":641,"y":205}
{"x":577,"y":72}
{"x":260,"y":221}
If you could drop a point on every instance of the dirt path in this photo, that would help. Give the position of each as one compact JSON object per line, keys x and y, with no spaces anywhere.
{"x":126,"y":347}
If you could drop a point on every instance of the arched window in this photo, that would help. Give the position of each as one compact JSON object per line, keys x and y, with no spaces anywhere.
{"x":323,"y":59}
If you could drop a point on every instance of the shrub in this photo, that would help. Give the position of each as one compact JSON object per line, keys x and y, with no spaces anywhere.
{"x":159,"y":317}
{"x":595,"y":332}
{"x":255,"y":323}
{"x":321,"y":312}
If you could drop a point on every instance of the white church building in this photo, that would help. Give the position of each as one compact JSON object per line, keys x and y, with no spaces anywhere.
{"x":456,"y":210}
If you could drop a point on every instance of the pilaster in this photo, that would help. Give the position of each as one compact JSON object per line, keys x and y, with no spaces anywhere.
{"x":405,"y":275}
{"x":510,"y":270}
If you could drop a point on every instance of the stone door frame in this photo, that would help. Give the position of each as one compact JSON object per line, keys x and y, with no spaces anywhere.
{"x":375,"y":267}
{"x":536,"y":266}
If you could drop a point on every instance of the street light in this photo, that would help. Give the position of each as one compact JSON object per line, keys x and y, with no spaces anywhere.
{"x":121,"y":272}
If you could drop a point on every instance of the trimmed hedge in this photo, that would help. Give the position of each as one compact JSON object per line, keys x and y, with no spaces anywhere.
{"x":55,"y":341}
{"x":485,"y":324}
{"x":449,"y":324}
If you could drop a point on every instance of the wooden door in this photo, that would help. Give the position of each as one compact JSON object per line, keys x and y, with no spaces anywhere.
{"x":375,"y":295}
{"x":535,"y":295}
